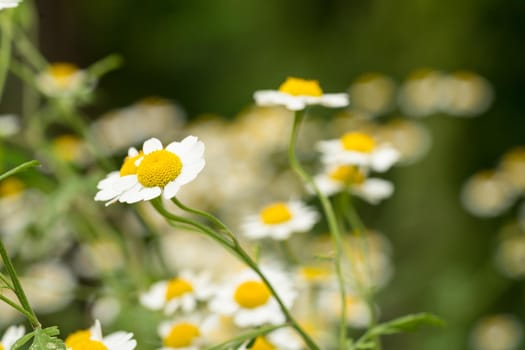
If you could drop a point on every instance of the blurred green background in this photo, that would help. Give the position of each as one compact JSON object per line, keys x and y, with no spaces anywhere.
{"x":210,"y":56}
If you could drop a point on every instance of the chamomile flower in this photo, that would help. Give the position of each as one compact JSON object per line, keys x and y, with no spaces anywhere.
{"x":350,"y":177}
{"x":163,"y":171}
{"x":92,"y":339}
{"x":281,"y":339}
{"x":296,"y":94}
{"x":61,"y":80}
{"x":6,"y":4}
{"x":182,"y":292}
{"x":357,"y":148}
{"x":11,"y":335}
{"x":116,"y":183}
{"x":191,"y":332}
{"x":249,"y":301}
{"x":280,"y":220}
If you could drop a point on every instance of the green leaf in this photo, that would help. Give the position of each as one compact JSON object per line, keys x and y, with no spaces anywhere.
{"x":44,"y":341}
{"x":22,"y":167}
{"x":407,"y":324}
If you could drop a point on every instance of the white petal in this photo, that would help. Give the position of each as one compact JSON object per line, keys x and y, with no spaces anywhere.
{"x":374,"y":190}
{"x":151,"y":145}
{"x":171,"y":190}
{"x":148,"y":193}
{"x":335,"y":100}
{"x":383,"y":158}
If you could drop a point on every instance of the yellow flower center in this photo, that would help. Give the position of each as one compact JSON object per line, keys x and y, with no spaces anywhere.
{"x":314,"y":274}
{"x":62,"y":73}
{"x":181,"y":335}
{"x":177,"y":287}
{"x":67,"y":147}
{"x":81,"y":341}
{"x":359,"y":142}
{"x":262,"y":344}
{"x":1,"y":347}
{"x":129,"y":167}
{"x":275,"y":214}
{"x":11,"y":186}
{"x":348,"y":174}
{"x":301,"y":87}
{"x":251,"y":294}
{"x":159,"y":168}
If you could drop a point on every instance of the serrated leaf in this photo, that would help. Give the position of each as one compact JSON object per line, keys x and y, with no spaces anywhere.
{"x":22,"y":341}
{"x":43,"y":341}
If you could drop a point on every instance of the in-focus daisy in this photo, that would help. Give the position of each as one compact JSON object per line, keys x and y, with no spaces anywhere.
{"x":279,"y":220}
{"x":296,"y":94}
{"x":11,"y":335}
{"x":92,"y":339}
{"x":163,"y":171}
{"x":359,"y":149}
{"x":61,"y":79}
{"x":249,"y":301}
{"x":6,"y":4}
{"x":117,"y":183}
{"x":350,"y":177}
{"x":282,"y":339}
{"x":191,"y":332}
{"x":182,"y":292}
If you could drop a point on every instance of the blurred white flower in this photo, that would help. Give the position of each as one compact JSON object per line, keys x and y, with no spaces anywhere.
{"x":5,"y":4}
{"x":497,"y":332}
{"x":11,"y":335}
{"x":180,"y":293}
{"x":467,"y":94}
{"x":61,"y":80}
{"x":373,"y":93}
{"x":281,"y":339}
{"x":296,"y":94}
{"x":93,"y":339}
{"x":188,"y":332}
{"x":250,"y":302}
{"x":510,"y":252}
{"x":357,"y":148}
{"x":349,"y":177}
{"x":422,"y":93}
{"x":280,"y":220}
{"x":512,"y":167}
{"x":106,"y":309}
{"x":9,"y":125}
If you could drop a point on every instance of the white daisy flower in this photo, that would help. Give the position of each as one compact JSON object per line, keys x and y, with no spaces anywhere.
{"x":281,"y":339}
{"x":191,"y":332}
{"x":163,"y":171}
{"x":93,"y":339}
{"x":11,"y":335}
{"x":296,"y":94}
{"x":61,"y":80}
{"x":279,"y":220}
{"x":358,"y":149}
{"x":182,"y":292}
{"x":116,"y":183}
{"x":350,"y":177}
{"x":249,"y":301}
{"x":6,"y":4}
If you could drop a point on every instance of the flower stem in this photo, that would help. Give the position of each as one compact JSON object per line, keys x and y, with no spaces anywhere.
{"x":19,"y":291}
{"x":330,"y":217}
{"x":5,"y":49}
{"x":234,"y":247}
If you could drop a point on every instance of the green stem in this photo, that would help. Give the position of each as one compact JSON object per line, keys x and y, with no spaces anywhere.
{"x":19,"y":291}
{"x":22,"y":167}
{"x":246,"y":336}
{"x":5,"y":49}
{"x":330,"y":217}
{"x":18,"y":308}
{"x":238,"y":251}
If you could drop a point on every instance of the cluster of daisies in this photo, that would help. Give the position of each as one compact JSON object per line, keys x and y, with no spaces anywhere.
{"x":91,"y":338}
{"x":200,"y":312}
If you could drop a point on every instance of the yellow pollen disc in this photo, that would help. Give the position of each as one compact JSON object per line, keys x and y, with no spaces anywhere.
{"x":177,"y":287}
{"x":262,"y":344}
{"x":181,"y":335}
{"x":62,"y":73}
{"x":67,"y":147}
{"x":301,"y":87}
{"x":81,"y":341}
{"x":11,"y":186}
{"x":359,"y":142}
{"x":129,"y":167}
{"x":275,"y":214}
{"x":251,"y":294}
{"x":1,"y":347}
{"x":348,"y":174}
{"x":159,"y":168}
